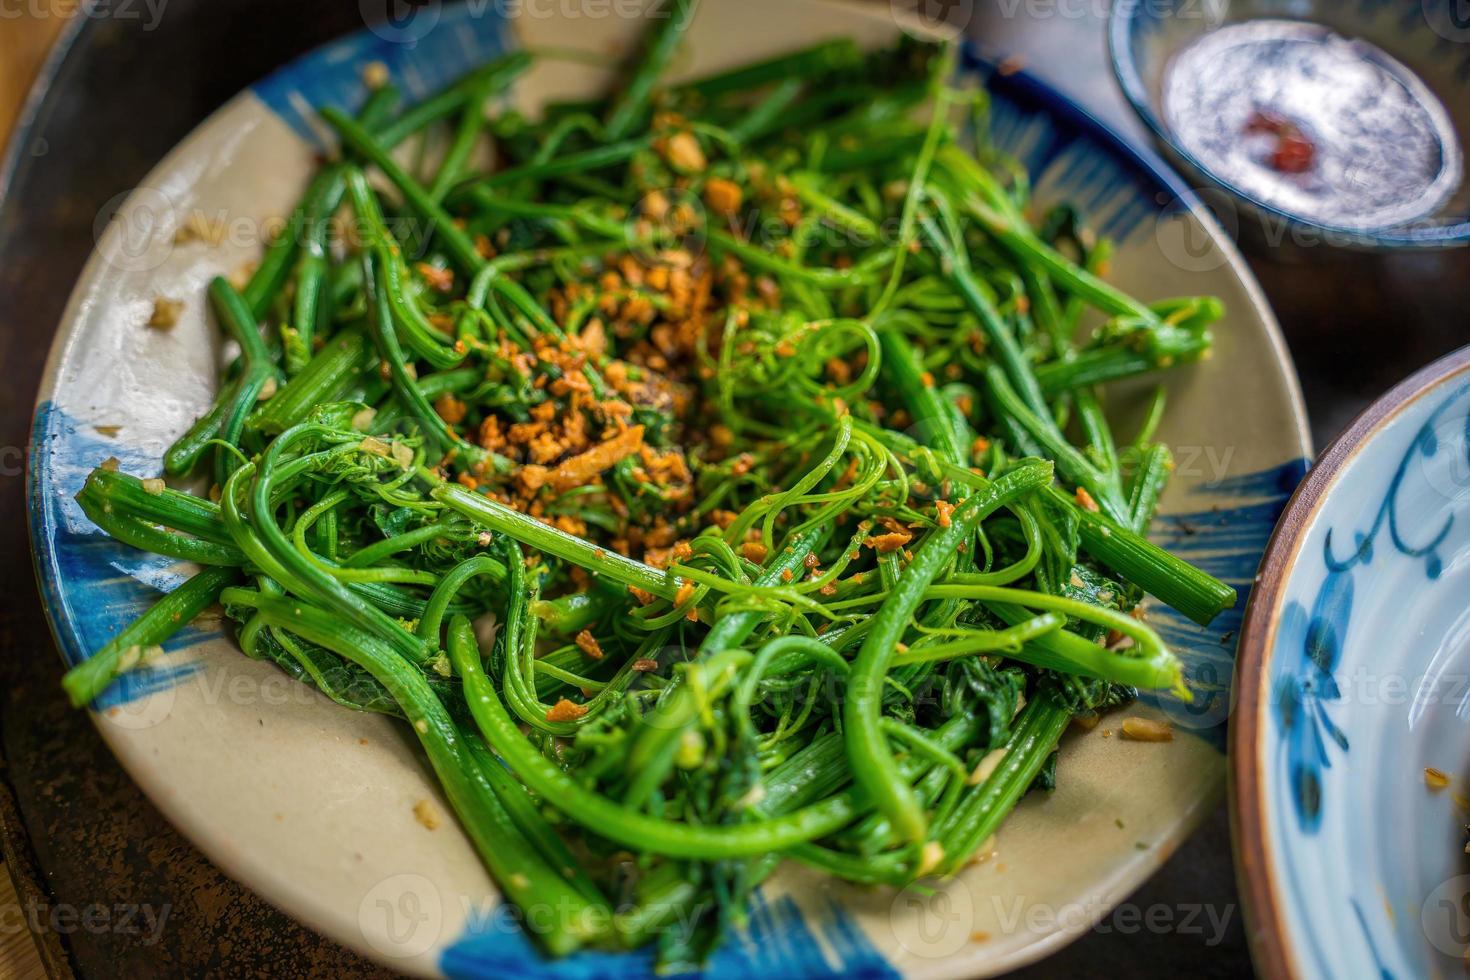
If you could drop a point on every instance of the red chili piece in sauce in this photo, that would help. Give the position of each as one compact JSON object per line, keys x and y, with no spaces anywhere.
{"x":1295,"y":152}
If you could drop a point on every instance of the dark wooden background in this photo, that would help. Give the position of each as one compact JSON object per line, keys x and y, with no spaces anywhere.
{"x":76,"y":831}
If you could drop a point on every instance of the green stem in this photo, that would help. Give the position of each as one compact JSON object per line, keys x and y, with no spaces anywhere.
{"x":874,"y":766}
{"x":632,"y":103}
{"x":88,"y":679}
{"x":618,"y":823}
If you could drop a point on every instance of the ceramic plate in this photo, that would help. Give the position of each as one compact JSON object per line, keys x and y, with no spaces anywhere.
{"x":312,"y":806}
{"x":1354,"y":679}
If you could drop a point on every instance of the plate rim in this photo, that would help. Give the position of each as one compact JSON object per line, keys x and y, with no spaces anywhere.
{"x":1049,"y":99}
{"x":1271,"y":943}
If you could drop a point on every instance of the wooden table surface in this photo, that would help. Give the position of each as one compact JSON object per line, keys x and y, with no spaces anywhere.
{"x":74,"y":828}
{"x":24,"y":42}
{"x":76,"y":834}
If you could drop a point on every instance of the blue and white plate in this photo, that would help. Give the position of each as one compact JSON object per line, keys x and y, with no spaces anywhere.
{"x":313,"y":806}
{"x":1353,"y":684}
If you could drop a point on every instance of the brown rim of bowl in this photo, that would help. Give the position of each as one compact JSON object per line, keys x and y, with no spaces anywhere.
{"x":1264,"y":928}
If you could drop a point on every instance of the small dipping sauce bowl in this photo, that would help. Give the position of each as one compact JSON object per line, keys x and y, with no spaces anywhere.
{"x":1327,"y":122}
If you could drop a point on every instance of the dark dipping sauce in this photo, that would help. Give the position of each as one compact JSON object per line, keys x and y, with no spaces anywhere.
{"x":1324,"y":128}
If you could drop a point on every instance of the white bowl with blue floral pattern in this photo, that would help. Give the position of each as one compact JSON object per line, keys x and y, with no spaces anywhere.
{"x":1351,"y":739}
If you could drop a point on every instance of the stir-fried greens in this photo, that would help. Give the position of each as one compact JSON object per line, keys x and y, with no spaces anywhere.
{"x":712,"y":481}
